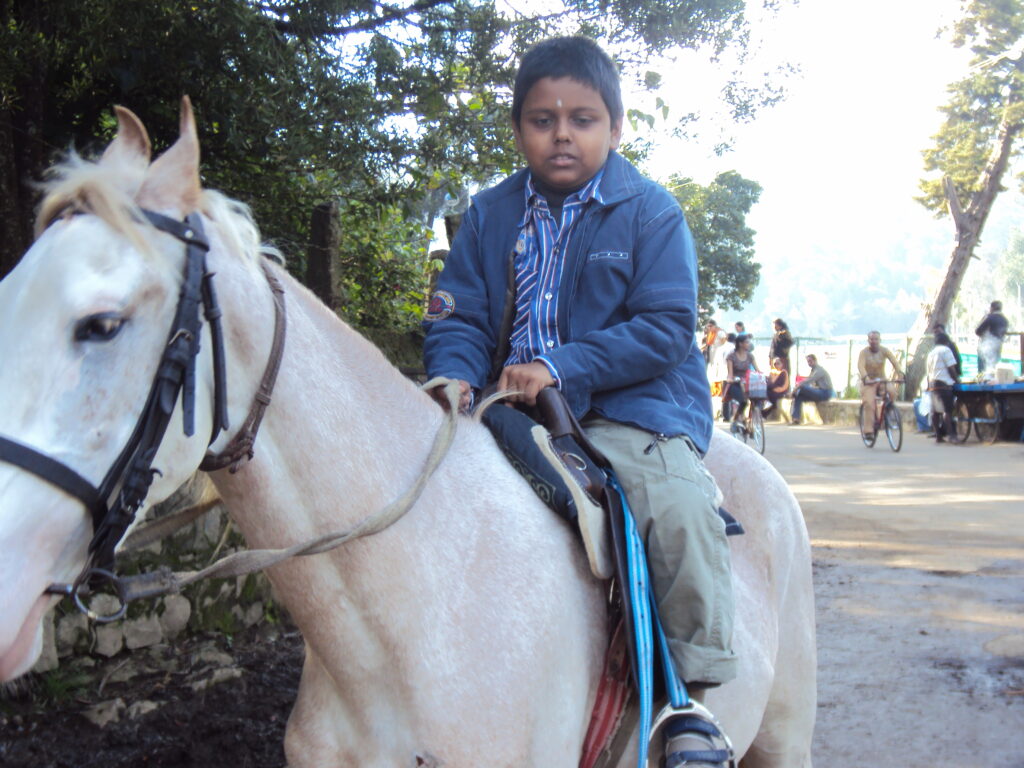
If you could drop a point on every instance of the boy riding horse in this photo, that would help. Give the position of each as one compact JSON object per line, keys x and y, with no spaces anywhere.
{"x":580,"y":274}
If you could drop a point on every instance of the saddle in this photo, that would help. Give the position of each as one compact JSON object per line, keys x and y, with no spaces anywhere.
{"x":548,"y":447}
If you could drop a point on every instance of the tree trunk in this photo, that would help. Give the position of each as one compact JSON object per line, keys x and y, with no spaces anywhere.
{"x":325,"y":237}
{"x":969,"y":225}
{"x":15,"y":221}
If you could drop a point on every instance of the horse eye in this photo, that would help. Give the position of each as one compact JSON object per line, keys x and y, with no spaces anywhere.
{"x":101,"y":327}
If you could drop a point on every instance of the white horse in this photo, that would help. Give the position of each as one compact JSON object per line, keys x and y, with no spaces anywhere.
{"x":470,"y":632}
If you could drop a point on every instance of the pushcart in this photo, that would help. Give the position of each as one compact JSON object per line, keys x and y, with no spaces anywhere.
{"x":989,"y":408}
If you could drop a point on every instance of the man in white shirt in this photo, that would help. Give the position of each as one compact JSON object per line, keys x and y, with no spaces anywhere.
{"x":942,"y":375}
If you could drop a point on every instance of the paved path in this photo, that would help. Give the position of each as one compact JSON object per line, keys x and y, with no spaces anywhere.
{"x":919,"y":577}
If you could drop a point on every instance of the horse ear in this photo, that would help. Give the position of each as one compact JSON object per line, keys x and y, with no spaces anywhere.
{"x":172,"y":182}
{"x":129,"y":152}
{"x":131,"y":145}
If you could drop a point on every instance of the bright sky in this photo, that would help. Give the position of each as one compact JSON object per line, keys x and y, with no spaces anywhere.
{"x":840,"y":158}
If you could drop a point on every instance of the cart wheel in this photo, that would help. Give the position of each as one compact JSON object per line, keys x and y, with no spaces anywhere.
{"x":757,"y":429}
{"x":961,"y":420}
{"x":893,"y":426}
{"x":986,"y":420}
{"x":867,"y":437}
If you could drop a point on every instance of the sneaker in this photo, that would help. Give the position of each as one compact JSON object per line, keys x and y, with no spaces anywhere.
{"x":692,"y":737}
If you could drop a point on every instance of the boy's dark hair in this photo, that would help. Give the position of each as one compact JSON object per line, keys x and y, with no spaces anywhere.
{"x":578,"y":58}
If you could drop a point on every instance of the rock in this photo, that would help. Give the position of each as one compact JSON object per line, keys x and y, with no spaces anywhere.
{"x":253,"y":615}
{"x":109,"y":639}
{"x":142,"y":632}
{"x":105,"y":712}
{"x":210,"y":656}
{"x":72,"y":633}
{"x":48,"y":659}
{"x":219,"y":676}
{"x":1007,"y":646}
{"x":140,"y":708}
{"x":104,"y":605}
{"x":124,"y":672}
{"x":177,"y":611}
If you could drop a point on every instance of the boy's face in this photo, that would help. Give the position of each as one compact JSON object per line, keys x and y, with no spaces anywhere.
{"x":565,"y":132}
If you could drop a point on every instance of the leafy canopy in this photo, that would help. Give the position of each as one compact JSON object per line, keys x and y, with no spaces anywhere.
{"x":717,"y":215}
{"x":987,"y":98}
{"x":393,"y":109}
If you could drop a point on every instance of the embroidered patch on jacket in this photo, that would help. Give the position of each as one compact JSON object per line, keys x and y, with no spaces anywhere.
{"x":609,"y":255}
{"x":441,"y":305}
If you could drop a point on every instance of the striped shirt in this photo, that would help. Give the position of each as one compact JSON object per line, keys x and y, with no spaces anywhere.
{"x":539,"y":263}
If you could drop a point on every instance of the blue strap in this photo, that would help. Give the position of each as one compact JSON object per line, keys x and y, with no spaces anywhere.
{"x":686,"y":724}
{"x":645,"y":620}
{"x":640,"y":608}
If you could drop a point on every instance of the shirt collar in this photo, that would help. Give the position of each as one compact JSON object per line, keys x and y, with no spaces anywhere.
{"x":533,"y":199}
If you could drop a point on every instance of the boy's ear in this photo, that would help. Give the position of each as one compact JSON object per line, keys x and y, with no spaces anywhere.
{"x":616,"y":134}
{"x":519,"y":138}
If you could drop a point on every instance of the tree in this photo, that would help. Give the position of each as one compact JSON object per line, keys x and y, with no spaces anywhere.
{"x":974,"y":147}
{"x":303,"y":102}
{"x":727,"y":274}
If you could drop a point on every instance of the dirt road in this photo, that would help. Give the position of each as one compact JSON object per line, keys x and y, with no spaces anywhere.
{"x":919,"y":576}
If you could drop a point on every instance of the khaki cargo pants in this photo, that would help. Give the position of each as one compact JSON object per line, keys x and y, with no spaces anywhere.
{"x":672,"y":499}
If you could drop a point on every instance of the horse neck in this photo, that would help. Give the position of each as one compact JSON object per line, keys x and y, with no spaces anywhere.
{"x":345,"y":432}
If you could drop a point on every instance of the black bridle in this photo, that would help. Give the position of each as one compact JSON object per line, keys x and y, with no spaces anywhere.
{"x":114,"y":503}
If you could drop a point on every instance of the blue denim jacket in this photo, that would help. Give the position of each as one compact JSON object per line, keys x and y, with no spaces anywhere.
{"x":628,"y":305}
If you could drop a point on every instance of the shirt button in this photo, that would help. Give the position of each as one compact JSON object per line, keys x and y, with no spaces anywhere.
{"x":549,"y":295}
{"x":550,"y":343}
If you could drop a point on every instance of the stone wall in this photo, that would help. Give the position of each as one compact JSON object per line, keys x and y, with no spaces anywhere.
{"x":227,"y":605}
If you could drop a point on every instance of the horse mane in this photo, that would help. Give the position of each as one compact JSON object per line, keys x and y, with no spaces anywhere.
{"x":77,"y":185}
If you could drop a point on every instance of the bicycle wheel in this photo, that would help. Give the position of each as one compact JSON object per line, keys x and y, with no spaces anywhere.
{"x":987,"y":416}
{"x":961,"y":420}
{"x":868,"y":438}
{"x":757,"y":430}
{"x":893,"y":426}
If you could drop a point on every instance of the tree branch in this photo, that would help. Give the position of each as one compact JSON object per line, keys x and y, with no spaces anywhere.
{"x":391,"y":14}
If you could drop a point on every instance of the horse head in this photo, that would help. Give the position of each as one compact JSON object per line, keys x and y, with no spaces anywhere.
{"x":85,"y":318}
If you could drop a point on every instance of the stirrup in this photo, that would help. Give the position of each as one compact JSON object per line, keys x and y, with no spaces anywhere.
{"x":693,"y":723}
{"x":590,"y":516}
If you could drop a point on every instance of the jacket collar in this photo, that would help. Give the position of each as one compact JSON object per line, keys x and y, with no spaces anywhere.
{"x":621,"y":181}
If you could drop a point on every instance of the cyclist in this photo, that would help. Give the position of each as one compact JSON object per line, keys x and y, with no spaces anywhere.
{"x":739,"y":363}
{"x":871,"y":368}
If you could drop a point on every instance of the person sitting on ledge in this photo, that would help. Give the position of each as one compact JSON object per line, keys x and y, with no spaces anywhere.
{"x":778,"y":385}
{"x":817,"y":388}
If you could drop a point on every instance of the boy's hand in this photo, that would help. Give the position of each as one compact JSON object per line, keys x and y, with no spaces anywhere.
{"x":465,"y":396}
{"x":528,"y":378}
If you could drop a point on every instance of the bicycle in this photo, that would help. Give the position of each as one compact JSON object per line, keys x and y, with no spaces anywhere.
{"x":886,"y":415}
{"x":752,"y":427}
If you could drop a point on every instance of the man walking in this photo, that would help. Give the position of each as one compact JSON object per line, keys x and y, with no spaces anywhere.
{"x":991,"y":333}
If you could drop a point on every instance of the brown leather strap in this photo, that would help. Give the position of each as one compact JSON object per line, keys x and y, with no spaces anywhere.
{"x":557,"y":418}
{"x":242,"y":444}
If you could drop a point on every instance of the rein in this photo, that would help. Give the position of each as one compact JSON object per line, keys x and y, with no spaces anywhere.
{"x":165,"y":582}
